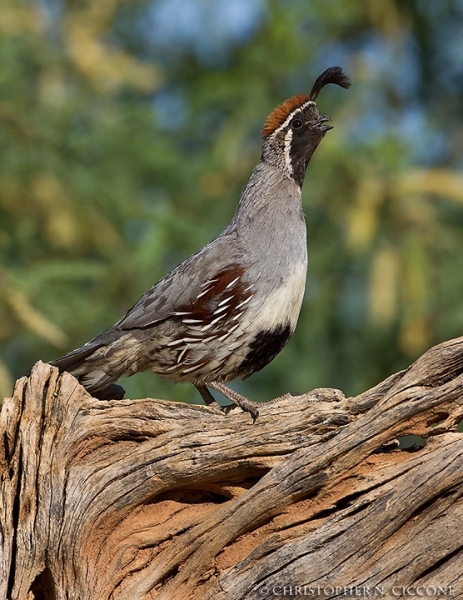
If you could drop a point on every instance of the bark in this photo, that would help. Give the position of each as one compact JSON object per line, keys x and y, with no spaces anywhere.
{"x":155,"y":499}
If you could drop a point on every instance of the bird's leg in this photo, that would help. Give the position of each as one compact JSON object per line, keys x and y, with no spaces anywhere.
{"x":245,"y":404}
{"x":208,"y":397}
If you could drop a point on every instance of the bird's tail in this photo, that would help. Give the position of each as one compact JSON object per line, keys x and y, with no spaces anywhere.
{"x":84,"y":365}
{"x":74,"y":359}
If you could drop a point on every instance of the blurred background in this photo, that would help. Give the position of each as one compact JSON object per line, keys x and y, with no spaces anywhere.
{"x":128,"y":129}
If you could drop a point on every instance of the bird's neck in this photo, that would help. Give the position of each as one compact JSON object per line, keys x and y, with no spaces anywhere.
{"x":269,"y":221}
{"x":268,"y":197}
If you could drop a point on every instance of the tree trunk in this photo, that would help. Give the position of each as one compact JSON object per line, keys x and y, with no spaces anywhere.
{"x":153,"y":499}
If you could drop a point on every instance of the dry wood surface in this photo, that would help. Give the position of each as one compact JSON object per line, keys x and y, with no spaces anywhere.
{"x":139,"y":499}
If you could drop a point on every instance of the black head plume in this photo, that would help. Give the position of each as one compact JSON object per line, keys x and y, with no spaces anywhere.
{"x":332,"y":75}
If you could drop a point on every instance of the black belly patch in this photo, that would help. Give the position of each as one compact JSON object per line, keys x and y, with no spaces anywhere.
{"x":263,"y":349}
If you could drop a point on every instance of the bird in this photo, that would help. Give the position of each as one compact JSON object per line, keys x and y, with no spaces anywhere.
{"x":228,"y":310}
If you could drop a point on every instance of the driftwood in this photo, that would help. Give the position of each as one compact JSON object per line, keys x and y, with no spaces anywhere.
{"x":152,"y":499}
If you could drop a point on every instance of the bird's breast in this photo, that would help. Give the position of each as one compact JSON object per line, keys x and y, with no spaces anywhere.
{"x":283,"y":302}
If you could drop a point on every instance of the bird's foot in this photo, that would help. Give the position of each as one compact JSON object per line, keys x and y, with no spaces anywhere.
{"x":237,"y":399}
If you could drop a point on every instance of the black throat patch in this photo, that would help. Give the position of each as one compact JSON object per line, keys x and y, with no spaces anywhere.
{"x":266,"y":345}
{"x":303,"y":145}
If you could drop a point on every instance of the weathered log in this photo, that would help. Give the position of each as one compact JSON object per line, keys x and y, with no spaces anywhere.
{"x":154,"y":499}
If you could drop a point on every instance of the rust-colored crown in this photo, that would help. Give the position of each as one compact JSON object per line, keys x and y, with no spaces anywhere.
{"x":278,"y":116}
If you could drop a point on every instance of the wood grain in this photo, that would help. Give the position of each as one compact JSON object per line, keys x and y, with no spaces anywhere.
{"x":154,"y":499}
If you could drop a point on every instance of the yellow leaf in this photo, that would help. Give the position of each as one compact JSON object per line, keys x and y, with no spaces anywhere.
{"x":6,"y":381}
{"x":363,"y":216}
{"x":32,"y":318}
{"x":58,"y":216}
{"x":415,"y":332}
{"x":107,"y":67}
{"x":414,"y":335}
{"x":438,"y":182}
{"x":383,"y":287}
{"x":17,"y":20}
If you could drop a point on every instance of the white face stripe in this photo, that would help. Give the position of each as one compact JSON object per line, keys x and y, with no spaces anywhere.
{"x":288,"y":140}
{"x":291,"y":115}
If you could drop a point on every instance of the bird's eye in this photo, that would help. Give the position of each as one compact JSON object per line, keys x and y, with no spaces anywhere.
{"x":296,"y":123}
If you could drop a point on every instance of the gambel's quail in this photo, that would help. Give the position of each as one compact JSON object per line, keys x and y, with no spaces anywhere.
{"x":228,"y":310}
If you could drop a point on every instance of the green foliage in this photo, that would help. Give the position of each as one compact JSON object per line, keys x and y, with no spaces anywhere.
{"x":121,"y":154}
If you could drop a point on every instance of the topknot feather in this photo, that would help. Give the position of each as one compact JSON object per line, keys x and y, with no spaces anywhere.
{"x":279,"y":115}
{"x":332,"y":75}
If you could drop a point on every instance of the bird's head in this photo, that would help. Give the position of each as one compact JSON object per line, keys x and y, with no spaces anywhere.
{"x":294,"y":129}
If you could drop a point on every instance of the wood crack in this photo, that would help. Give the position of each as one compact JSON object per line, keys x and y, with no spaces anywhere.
{"x":151,"y":499}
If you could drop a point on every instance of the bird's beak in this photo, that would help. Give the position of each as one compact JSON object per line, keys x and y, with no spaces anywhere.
{"x":318,"y":124}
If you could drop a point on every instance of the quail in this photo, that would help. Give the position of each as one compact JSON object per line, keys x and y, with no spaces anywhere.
{"x":229,"y":309}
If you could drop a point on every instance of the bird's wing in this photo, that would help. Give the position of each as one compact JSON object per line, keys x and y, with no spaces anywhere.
{"x":211,"y":269}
